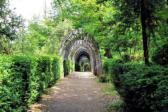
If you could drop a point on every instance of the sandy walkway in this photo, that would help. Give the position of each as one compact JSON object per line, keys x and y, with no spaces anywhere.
{"x":79,"y":92}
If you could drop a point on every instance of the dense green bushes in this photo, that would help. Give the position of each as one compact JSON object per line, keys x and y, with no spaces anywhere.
{"x":160,"y":56}
{"x":142,"y":88}
{"x":68,"y":66}
{"x":108,"y":63}
{"x":24,"y":78}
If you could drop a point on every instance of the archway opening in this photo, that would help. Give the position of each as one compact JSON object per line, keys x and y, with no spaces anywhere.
{"x":82,"y":62}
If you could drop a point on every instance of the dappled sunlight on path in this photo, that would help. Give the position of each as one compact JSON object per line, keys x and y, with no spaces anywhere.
{"x":79,"y":92}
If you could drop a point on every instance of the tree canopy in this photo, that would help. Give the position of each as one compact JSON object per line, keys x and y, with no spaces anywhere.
{"x":123,"y":28}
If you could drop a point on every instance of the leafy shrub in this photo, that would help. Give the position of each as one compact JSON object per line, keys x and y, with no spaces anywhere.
{"x":68,"y":66}
{"x":104,"y":78}
{"x":160,"y":56}
{"x":126,"y":58}
{"x":143,"y":89}
{"x":24,"y":79}
{"x":108,"y":63}
{"x":115,"y":107}
{"x":10,"y":99}
{"x":107,"y":69}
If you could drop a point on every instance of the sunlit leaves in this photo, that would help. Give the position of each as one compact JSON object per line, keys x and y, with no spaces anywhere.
{"x":10,"y":25}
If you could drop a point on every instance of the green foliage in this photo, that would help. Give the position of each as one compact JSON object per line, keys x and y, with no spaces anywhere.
{"x":142,"y":88}
{"x":108,"y":63}
{"x":68,"y":66}
{"x":24,"y":79}
{"x":42,"y":37}
{"x":118,"y":26}
{"x":84,"y":67}
{"x":160,"y":56}
{"x":115,"y":107}
{"x":163,"y":13}
{"x":110,"y":90}
{"x":104,"y":78}
{"x":10,"y":24}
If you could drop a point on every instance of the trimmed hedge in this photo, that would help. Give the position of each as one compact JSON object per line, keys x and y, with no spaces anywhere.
{"x":24,"y":78}
{"x":107,"y":63}
{"x":68,"y":66}
{"x":142,"y":88}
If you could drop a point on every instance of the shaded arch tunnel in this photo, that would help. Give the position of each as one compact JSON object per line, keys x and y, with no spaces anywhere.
{"x":83,"y":50}
{"x":82,"y":62}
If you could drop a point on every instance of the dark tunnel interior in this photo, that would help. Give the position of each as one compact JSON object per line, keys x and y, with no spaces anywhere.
{"x":82,"y":62}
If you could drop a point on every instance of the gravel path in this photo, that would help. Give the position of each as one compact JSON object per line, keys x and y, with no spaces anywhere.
{"x":79,"y":92}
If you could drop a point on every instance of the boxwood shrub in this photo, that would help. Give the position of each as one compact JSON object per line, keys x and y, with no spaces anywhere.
{"x":142,"y":88}
{"x":107,"y":63}
{"x":68,"y":66}
{"x":24,"y":78}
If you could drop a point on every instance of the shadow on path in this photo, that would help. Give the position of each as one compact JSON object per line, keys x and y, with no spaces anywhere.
{"x":79,"y":92}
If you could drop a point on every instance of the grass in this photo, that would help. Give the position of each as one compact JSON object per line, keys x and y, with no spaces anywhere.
{"x":104,"y":78}
{"x":117,"y":107}
{"x":110,"y":90}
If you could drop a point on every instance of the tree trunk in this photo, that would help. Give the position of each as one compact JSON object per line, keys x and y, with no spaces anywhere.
{"x":145,"y":36}
{"x":108,"y":53}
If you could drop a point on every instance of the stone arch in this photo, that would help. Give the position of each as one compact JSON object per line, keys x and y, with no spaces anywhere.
{"x":77,"y":45}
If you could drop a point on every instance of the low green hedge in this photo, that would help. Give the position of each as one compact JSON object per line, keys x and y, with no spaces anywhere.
{"x":107,"y":63}
{"x":24,"y":78}
{"x":68,"y":66}
{"x":142,"y":88}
